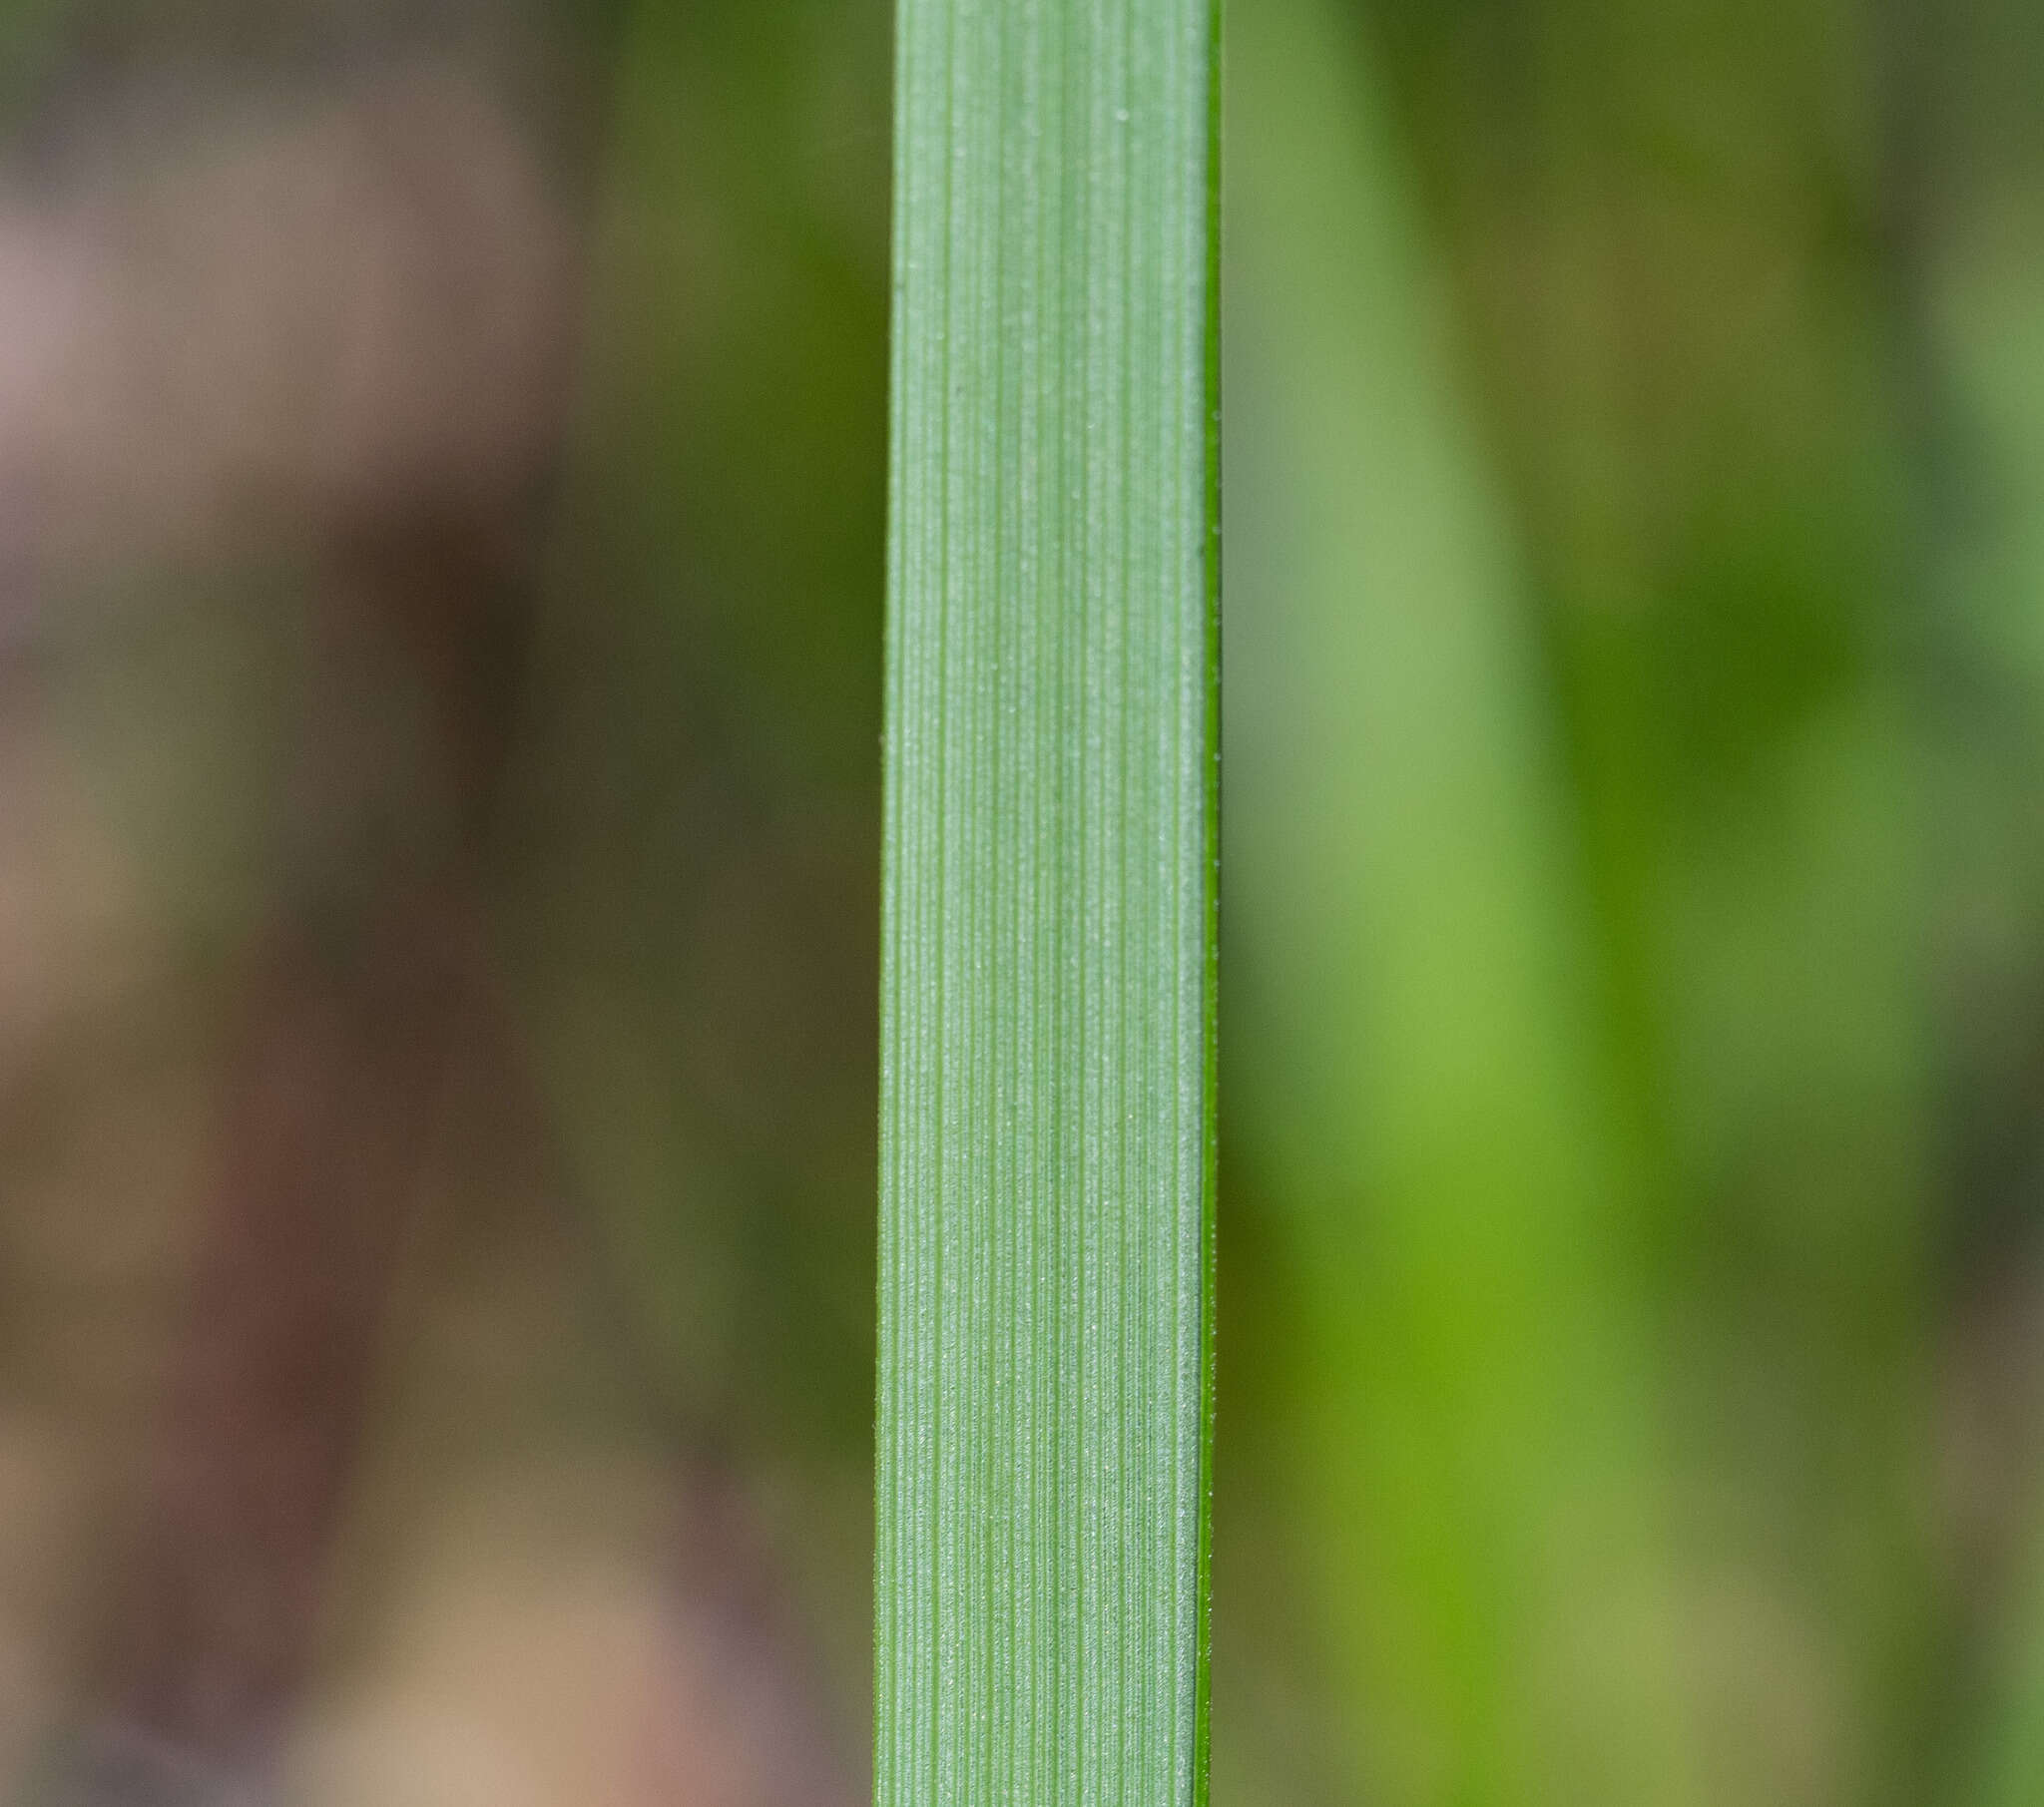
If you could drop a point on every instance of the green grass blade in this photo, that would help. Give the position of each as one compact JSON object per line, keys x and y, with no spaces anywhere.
{"x":1048,"y":985}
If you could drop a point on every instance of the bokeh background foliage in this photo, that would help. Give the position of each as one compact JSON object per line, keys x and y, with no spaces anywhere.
{"x":1630,"y":898}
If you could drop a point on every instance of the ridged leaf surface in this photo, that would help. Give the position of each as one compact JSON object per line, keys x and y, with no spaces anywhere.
{"x":1048,"y":985}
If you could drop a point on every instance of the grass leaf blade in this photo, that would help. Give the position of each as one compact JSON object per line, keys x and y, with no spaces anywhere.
{"x":1048,"y":983}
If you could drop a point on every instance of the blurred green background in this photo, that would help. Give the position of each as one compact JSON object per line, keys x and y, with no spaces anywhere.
{"x":1631,"y":904}
{"x":1632,"y":1232}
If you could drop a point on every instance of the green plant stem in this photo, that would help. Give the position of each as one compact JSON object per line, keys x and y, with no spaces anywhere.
{"x":1045,"y":1289}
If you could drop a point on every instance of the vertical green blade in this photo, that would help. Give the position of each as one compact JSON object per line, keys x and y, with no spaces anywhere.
{"x":1048,"y":985}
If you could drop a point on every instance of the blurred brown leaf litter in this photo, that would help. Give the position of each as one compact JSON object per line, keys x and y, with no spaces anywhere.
{"x":329,"y":1466}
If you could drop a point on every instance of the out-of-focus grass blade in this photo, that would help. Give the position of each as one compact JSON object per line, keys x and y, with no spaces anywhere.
{"x":1428,"y":1101}
{"x":1048,"y":986}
